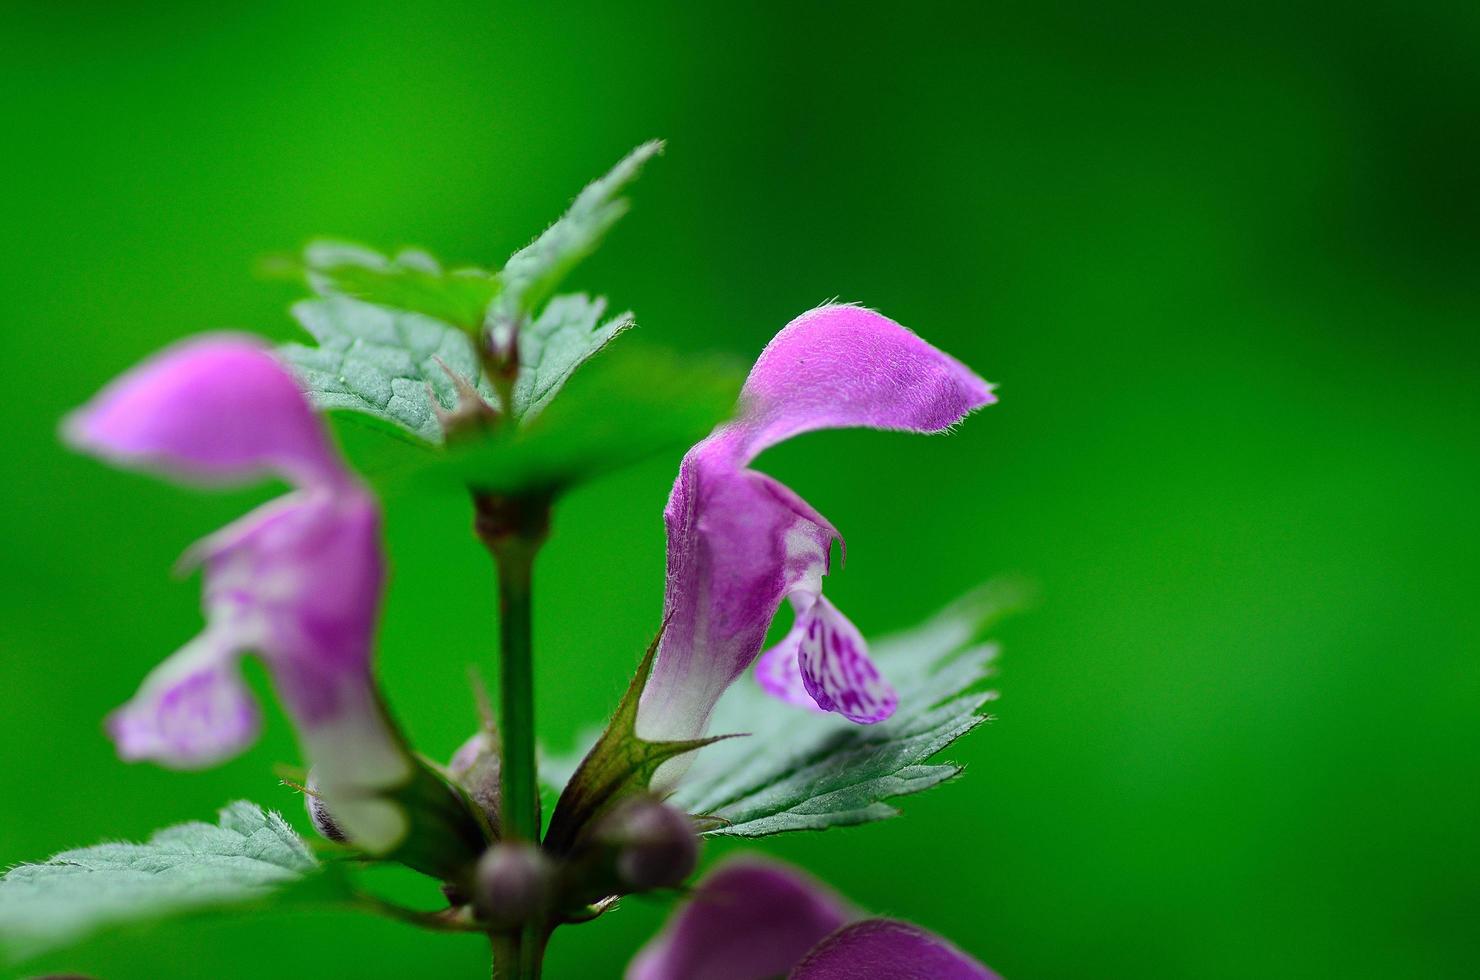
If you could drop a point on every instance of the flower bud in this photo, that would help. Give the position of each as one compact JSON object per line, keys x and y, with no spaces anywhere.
{"x":514,"y":884}
{"x":656,"y":846}
{"x":475,"y":766}
{"x":319,"y":815}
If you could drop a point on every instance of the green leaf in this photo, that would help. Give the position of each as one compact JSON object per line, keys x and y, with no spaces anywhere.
{"x":413,"y":281}
{"x":379,"y":362}
{"x":804,"y":770}
{"x":629,"y":405}
{"x":532,"y":273}
{"x":567,"y":333}
{"x":247,"y":855}
{"x":382,"y":322}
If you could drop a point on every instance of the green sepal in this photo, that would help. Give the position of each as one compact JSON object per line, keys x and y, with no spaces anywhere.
{"x":619,"y":766}
{"x":447,"y":831}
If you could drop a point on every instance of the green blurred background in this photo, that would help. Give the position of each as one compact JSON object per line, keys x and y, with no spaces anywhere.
{"x":1222,"y":260}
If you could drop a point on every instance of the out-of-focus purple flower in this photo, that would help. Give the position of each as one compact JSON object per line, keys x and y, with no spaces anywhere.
{"x":751,"y":919}
{"x":739,"y":542}
{"x":296,"y":581}
{"x":747,"y":919}
{"x":886,"y":949}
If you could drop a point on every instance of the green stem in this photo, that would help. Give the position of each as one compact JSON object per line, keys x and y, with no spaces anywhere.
{"x":513,"y":528}
{"x":506,"y":957}
{"x":520,"y":801}
{"x":532,"y":951}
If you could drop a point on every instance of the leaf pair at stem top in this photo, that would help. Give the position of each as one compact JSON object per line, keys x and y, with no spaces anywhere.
{"x":395,"y":333}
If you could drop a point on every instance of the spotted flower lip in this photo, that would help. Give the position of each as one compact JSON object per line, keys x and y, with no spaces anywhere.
{"x":740,"y":542}
{"x":751,"y":919}
{"x":296,"y":581}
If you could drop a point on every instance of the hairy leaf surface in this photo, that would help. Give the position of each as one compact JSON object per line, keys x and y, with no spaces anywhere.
{"x":532,"y":274}
{"x":379,"y":361}
{"x":248,"y":854}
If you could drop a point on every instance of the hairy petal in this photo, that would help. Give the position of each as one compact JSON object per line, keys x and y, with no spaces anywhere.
{"x":748,"y":541}
{"x":739,"y":543}
{"x":842,"y":366}
{"x":747,"y":920}
{"x":885,"y":949}
{"x":216,"y":409}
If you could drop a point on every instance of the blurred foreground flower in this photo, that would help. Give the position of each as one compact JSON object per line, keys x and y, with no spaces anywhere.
{"x":752,"y":919}
{"x":297,"y":581}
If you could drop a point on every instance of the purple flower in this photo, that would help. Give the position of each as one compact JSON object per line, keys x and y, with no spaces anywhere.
{"x":296,"y":581}
{"x":739,"y":542}
{"x":887,"y":948}
{"x":752,"y":919}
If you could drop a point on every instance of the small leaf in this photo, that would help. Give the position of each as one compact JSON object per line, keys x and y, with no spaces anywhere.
{"x":248,"y":854}
{"x":382,"y":322}
{"x":413,"y":281}
{"x":379,"y":362}
{"x":620,"y":765}
{"x":629,"y":405}
{"x":532,"y":274}
{"x":567,"y":333}
{"x":803,"y":770}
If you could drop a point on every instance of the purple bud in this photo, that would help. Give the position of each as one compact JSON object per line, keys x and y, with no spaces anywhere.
{"x":514,"y":884}
{"x":475,"y":766}
{"x":656,"y":845}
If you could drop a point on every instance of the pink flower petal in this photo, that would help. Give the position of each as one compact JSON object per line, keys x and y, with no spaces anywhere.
{"x":216,"y":409}
{"x":297,"y":581}
{"x":842,"y":366}
{"x":832,"y":657}
{"x":192,"y":711}
{"x":307,"y":568}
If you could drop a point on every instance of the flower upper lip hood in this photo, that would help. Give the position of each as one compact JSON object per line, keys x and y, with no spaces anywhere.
{"x":296,"y":581}
{"x":214,"y":409}
{"x":740,"y":542}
